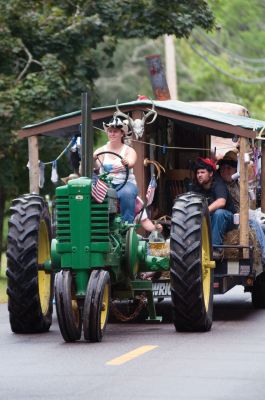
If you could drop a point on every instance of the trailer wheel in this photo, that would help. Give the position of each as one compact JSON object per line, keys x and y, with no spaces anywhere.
{"x":96,"y":306}
{"x":191,"y":271}
{"x":258,"y":291}
{"x":67,"y":307}
{"x":29,"y":288}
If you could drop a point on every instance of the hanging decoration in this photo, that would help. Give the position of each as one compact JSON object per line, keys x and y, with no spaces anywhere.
{"x":41,"y":174}
{"x":54,"y":173}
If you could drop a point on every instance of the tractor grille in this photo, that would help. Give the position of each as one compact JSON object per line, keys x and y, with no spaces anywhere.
{"x":63,"y":231}
{"x":99,"y":222}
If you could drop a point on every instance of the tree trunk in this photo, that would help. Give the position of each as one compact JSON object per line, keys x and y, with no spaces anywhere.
{"x":2,"y":212}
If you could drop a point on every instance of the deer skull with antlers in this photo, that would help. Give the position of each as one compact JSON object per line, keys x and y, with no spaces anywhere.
{"x":137,"y":125}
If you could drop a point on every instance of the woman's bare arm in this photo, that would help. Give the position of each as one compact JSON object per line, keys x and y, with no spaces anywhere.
{"x":130,"y":157}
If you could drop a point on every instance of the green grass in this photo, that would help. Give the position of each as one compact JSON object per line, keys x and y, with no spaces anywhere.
{"x":3,"y":295}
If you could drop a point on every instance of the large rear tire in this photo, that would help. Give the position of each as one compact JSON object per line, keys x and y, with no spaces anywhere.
{"x":29,"y":288}
{"x":191,"y":271}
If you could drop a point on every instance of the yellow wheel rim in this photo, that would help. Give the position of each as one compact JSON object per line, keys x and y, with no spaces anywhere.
{"x":104,"y":307}
{"x":207,"y":264}
{"x":44,"y":279}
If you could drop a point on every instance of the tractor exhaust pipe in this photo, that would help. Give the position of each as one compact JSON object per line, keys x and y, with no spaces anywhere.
{"x":87,"y":136}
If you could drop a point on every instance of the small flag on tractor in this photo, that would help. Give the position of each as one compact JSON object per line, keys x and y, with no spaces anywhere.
{"x":151,"y":191}
{"x":99,"y":189}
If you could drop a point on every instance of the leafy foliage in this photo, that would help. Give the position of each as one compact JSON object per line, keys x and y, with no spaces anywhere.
{"x":51,"y":51}
{"x":231,"y":48}
{"x":233,"y":76}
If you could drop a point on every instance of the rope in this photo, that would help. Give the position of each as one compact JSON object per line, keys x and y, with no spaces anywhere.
{"x":70,"y":144}
{"x":162,"y":146}
{"x":171,"y":147}
{"x":177,"y":147}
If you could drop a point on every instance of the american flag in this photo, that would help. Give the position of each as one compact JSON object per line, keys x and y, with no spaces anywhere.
{"x":151,"y":191}
{"x":99,"y":189}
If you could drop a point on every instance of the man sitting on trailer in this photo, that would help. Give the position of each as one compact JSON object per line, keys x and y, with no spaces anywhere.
{"x":220,"y":203}
{"x":227,"y":170}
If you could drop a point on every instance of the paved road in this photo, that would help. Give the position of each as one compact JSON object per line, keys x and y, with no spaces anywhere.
{"x":226,"y":363}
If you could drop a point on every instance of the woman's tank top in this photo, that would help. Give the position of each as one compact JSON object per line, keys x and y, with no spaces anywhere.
{"x":110,"y":164}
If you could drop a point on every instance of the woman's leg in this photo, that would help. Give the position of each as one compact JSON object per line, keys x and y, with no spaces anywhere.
{"x":127,"y":196}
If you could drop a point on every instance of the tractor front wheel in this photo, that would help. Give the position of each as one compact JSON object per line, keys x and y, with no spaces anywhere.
{"x":191,"y":272}
{"x":67,"y":307}
{"x":96,"y":306}
{"x":29,"y":287}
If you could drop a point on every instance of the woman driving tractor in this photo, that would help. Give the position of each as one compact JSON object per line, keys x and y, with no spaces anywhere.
{"x":116,"y":129}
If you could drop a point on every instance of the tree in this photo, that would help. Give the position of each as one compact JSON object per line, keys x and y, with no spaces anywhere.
{"x":236,"y":48}
{"x":231,"y":64}
{"x":50,"y":52}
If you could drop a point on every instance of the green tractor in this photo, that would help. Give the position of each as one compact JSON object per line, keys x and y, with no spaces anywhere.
{"x":93,"y":258}
{"x":94,"y":261}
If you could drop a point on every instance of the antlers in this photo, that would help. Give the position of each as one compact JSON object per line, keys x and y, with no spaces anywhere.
{"x":150,"y":112}
{"x":119,"y":113}
{"x":137,"y":125}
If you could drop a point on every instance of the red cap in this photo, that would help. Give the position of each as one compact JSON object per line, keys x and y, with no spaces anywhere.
{"x":207,"y":162}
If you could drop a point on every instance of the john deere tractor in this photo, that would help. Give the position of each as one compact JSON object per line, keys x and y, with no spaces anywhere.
{"x":94,"y":258}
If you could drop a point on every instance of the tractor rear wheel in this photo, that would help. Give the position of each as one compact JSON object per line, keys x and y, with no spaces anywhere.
{"x":191,"y":271}
{"x":29,"y":287}
{"x":96,"y":306}
{"x":67,"y":307}
{"x":258,"y":291}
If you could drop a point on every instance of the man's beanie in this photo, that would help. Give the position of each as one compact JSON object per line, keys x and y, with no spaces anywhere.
{"x":205,"y":163}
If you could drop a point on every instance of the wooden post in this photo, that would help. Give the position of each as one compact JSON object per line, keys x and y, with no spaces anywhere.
{"x":262,"y":176}
{"x":139,"y":169}
{"x":33,"y":148}
{"x":244,"y":201}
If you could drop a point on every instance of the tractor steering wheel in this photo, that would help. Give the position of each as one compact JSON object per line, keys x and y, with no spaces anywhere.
{"x":119,"y":187}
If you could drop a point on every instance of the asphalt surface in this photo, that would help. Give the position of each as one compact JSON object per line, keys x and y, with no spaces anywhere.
{"x":226,"y":363}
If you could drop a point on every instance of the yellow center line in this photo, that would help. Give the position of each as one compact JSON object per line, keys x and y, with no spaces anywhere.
{"x":131,"y":355}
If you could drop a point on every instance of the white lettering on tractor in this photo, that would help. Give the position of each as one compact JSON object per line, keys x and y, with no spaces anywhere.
{"x":161,"y":289}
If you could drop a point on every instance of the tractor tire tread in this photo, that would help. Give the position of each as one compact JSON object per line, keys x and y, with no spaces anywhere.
{"x":25,"y":312}
{"x":189,"y":312}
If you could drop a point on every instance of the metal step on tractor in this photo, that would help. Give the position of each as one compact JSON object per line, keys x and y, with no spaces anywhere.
{"x":95,"y":259}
